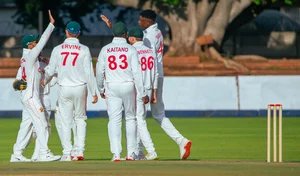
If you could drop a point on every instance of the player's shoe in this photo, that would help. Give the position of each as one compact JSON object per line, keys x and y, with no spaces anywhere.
{"x":185,"y":148}
{"x":131,"y":157}
{"x":34,"y":156}
{"x":116,"y":158}
{"x":48,"y":157}
{"x":19,"y":158}
{"x":151,"y":156}
{"x":65,"y":158}
{"x":79,"y":156}
{"x":73,"y":153}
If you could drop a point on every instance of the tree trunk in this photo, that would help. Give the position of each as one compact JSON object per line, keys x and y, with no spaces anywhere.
{"x":216,"y":26}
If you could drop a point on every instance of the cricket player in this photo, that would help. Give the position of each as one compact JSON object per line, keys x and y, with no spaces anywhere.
{"x":147,"y":58}
{"x":73,"y":63}
{"x":153,"y":39}
{"x":119,"y":61}
{"x":31,"y":98}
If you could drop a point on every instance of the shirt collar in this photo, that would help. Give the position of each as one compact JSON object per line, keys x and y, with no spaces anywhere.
{"x":153,"y":26}
{"x":119,"y":40}
{"x":71,"y":40}
{"x":139,"y":43}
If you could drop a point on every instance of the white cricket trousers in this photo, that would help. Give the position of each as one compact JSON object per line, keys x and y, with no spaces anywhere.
{"x":143,"y":135}
{"x":72,"y":106}
{"x":158,"y":112}
{"x":33,"y":113}
{"x":121,"y":96}
{"x":46,"y":103}
{"x":58,"y":123}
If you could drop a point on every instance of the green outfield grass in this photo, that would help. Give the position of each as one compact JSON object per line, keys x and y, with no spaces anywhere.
{"x":221,"y":146}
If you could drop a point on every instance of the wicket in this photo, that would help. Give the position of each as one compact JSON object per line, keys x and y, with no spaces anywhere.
{"x":274,"y":106}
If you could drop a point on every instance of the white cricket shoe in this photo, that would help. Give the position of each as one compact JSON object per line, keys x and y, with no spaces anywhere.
{"x":151,"y":156}
{"x":131,"y":157}
{"x":19,"y":158}
{"x":65,"y":158}
{"x":34,"y":157}
{"x":185,"y":148}
{"x":73,"y":153}
{"x":48,"y":157}
{"x":79,"y":156}
{"x":116,"y":158}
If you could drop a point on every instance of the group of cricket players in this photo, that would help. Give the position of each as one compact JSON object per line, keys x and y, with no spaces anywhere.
{"x":129,"y":77}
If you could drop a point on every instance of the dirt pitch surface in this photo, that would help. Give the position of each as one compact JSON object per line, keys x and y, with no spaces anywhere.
{"x":147,"y":168}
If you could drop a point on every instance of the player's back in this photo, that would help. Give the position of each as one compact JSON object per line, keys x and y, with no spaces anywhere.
{"x":70,"y":57}
{"x":117,"y":57}
{"x":154,"y":39}
{"x":147,"y":58}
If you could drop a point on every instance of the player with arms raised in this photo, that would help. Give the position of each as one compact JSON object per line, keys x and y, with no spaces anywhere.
{"x":30,"y":67}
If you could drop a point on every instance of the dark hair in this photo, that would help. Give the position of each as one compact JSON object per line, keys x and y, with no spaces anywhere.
{"x":150,"y":14}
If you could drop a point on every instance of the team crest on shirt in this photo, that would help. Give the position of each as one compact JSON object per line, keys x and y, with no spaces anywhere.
{"x":41,"y":109}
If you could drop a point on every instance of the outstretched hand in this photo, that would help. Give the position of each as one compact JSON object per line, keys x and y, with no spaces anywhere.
{"x":50,"y":17}
{"x":106,"y":20}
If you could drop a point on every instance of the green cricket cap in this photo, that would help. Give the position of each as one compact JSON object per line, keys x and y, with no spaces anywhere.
{"x":136,"y":32}
{"x":27,"y":39}
{"x":73,"y":27}
{"x":119,"y":29}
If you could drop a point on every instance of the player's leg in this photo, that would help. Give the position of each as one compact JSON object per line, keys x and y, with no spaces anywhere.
{"x":75,"y":140}
{"x":114,"y":111}
{"x":65,"y":107}
{"x":144,"y":137}
{"x":129,"y":104}
{"x":47,"y":107}
{"x":158,"y":112}
{"x":45,"y":100}
{"x":37,"y":115}
{"x":23,"y":138}
{"x":80,"y":96}
{"x":57,"y":117}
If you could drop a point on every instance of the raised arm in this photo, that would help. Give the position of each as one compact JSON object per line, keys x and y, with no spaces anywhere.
{"x":43,"y":40}
{"x":106,"y":20}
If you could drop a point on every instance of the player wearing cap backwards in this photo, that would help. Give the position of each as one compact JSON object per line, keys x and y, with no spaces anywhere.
{"x":73,"y":63}
{"x":119,"y":61}
{"x":31,"y":98}
{"x":148,"y":62}
{"x":153,"y":38}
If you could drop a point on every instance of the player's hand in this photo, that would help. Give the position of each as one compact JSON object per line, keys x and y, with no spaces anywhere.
{"x":43,"y":82}
{"x":50,"y":17}
{"x":95,"y":99}
{"x":106,"y":20}
{"x":102,"y":95}
{"x":146,"y":99}
{"x":153,"y":98}
{"x":45,"y":60}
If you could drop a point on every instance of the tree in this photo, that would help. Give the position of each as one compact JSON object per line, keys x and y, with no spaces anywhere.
{"x":27,"y":11}
{"x":188,"y":19}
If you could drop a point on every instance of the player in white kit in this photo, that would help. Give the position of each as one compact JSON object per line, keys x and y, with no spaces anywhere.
{"x":123,"y":74}
{"x":45,"y":100}
{"x":31,"y":99}
{"x":148,"y":62}
{"x":73,"y":63}
{"x":153,"y":38}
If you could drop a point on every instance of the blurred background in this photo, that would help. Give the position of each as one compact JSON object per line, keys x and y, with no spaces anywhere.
{"x":233,"y":56}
